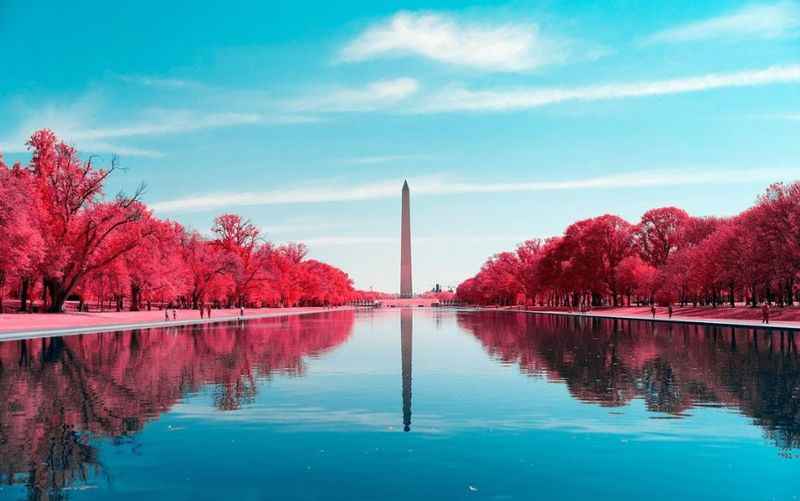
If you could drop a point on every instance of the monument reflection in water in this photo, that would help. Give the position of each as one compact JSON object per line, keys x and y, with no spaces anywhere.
{"x":505,"y":404}
{"x":406,"y":350}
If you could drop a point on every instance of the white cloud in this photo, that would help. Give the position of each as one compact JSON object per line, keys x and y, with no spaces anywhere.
{"x":297,"y":226}
{"x":440,"y":185}
{"x":76,"y":124}
{"x":381,"y":159}
{"x":442,"y":38}
{"x":160,"y":122}
{"x":117,"y":149}
{"x":764,"y":21}
{"x":328,"y":241}
{"x":372,"y":96}
{"x":299,"y":195}
{"x":461,"y":99}
{"x":161,"y":82}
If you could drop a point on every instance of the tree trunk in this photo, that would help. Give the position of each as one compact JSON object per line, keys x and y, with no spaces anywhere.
{"x":58,"y":295}
{"x":136,"y":295}
{"x":23,"y":295}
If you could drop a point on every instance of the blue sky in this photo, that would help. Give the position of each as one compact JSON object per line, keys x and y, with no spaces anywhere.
{"x":510,"y":121}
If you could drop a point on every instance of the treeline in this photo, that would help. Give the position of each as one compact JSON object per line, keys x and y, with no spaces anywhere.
{"x":61,"y":239}
{"x":667,"y":257}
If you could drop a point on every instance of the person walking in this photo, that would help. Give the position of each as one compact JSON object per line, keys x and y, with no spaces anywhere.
{"x":241,"y":311}
{"x":208,"y":311}
{"x":174,"y":314}
{"x":653,"y":309}
{"x":765,"y":313}
{"x":669,"y":310}
{"x":166,"y":314}
{"x":202,"y":310}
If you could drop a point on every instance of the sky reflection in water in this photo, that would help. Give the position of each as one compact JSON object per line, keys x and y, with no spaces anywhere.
{"x":497,"y":405}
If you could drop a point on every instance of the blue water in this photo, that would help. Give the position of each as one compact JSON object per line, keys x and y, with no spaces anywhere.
{"x":411,"y":404}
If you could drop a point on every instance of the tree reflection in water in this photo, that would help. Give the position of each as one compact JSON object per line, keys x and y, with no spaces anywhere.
{"x":671,"y":367}
{"x":59,"y":392}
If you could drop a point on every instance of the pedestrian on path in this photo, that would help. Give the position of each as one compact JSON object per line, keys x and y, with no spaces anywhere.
{"x":241,"y":311}
{"x":765,"y":313}
{"x":202,"y":309}
{"x":166,"y":314}
{"x":653,"y":309}
{"x":669,"y":310}
{"x":174,"y":314}
{"x":208,"y":311}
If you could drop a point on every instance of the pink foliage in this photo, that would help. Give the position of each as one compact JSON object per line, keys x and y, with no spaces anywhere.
{"x":62,"y":239}
{"x":667,"y":257}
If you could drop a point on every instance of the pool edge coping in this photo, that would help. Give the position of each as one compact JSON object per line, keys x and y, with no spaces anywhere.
{"x":681,"y":320}
{"x":104,"y":328}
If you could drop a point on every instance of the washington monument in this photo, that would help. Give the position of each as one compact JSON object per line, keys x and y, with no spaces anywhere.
{"x":405,"y":245}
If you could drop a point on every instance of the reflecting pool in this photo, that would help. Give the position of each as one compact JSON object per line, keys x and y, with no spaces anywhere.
{"x":403,"y":404}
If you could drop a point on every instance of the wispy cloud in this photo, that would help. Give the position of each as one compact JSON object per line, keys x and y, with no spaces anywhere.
{"x":77,"y":125}
{"x":381,"y":159}
{"x":372,"y":96}
{"x":786,"y":116}
{"x":161,"y":122}
{"x":65,"y":120}
{"x":335,"y":241}
{"x":763,"y":21}
{"x":441,"y":185}
{"x":297,"y":195}
{"x":297,"y":226}
{"x":16,"y":142}
{"x":441,"y":37}
{"x":462,"y":99}
{"x":105,"y":147}
{"x":161,"y":82}
{"x":327,"y":241}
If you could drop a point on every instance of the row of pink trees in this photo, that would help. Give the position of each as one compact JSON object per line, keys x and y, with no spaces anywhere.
{"x":668,"y":256}
{"x":61,"y":238}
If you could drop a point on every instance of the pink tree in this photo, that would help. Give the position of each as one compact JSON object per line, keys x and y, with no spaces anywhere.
{"x":156,"y":268}
{"x":21,"y":244}
{"x":658,"y":234}
{"x":81,"y":232}
{"x":249,"y":255}
{"x":205,"y":264}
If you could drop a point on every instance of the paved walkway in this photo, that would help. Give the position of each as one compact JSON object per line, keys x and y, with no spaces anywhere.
{"x":25,"y":326}
{"x":662,"y":317}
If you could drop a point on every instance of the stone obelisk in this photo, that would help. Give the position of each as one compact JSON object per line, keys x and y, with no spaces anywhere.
{"x":405,"y":244}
